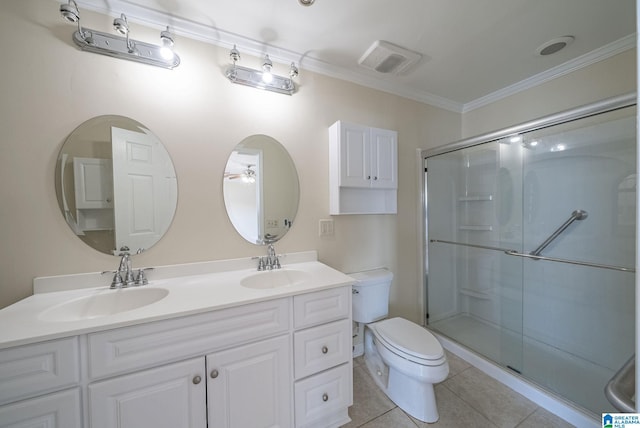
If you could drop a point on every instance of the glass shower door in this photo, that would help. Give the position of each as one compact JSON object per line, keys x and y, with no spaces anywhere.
{"x":578,"y":320}
{"x":475,"y":205}
{"x":531,"y":252}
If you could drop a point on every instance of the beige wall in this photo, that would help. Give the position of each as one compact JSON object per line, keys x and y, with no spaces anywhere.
{"x":49,"y":87}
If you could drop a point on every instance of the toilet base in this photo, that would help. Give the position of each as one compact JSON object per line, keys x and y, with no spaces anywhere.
{"x":417,"y":398}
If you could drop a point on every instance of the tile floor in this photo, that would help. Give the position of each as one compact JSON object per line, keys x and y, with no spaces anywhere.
{"x":467,"y":398}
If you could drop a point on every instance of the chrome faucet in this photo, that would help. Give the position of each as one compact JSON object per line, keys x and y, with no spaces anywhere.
{"x":125,"y":268}
{"x":124,"y":277}
{"x":273,"y":262}
{"x":270,"y":261}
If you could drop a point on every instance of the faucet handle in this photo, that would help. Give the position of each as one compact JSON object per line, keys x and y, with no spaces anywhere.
{"x":142,"y":278}
{"x":116,"y":282}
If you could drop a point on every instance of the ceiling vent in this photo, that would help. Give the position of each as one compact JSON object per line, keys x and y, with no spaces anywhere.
{"x":385,"y":57}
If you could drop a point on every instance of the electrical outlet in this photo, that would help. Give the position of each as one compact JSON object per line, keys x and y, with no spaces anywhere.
{"x":325,"y":227}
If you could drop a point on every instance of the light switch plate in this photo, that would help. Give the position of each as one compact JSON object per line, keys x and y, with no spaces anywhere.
{"x":325,"y":227}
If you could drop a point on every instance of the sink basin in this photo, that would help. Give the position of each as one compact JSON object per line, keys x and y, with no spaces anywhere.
{"x":275,"y":279}
{"x":104,"y":303}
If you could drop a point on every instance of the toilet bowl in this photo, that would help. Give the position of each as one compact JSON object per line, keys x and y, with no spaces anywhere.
{"x":404,"y":358}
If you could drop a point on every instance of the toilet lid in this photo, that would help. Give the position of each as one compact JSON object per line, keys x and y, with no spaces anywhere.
{"x":410,"y":338}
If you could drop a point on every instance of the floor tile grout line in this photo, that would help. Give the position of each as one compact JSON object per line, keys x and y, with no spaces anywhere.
{"x":481,"y":411}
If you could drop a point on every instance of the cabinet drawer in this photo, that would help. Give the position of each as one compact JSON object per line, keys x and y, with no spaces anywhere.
{"x":59,"y":410}
{"x":26,"y":371}
{"x":323,"y":394}
{"x":147,"y":345}
{"x":320,"y":307}
{"x":322,"y":347}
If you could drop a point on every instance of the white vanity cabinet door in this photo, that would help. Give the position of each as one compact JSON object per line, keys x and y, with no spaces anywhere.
{"x":250,"y":386}
{"x":57,"y":410}
{"x":169,"y":396}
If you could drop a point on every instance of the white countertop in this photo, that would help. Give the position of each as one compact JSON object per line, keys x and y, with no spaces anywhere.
{"x":193,"y":288}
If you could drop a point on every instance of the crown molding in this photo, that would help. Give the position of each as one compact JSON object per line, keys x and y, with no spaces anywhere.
{"x":211,"y":35}
{"x":225,"y":39}
{"x":600,"y":54}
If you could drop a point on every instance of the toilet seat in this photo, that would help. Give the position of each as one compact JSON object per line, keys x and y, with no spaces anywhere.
{"x":410,"y":341}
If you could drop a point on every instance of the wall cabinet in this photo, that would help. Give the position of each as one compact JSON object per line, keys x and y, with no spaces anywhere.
{"x":363,"y":169}
{"x":279,"y":363}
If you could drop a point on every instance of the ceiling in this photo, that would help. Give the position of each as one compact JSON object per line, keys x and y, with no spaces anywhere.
{"x":472,"y":52}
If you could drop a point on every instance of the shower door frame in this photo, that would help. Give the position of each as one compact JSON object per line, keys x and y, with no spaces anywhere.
{"x":603,"y":106}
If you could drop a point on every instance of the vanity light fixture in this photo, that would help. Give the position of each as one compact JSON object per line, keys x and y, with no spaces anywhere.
{"x":261,"y":79}
{"x":121,"y":47}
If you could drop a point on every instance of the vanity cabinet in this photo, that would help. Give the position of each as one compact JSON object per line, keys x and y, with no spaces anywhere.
{"x":278,"y":363}
{"x":363,"y":169}
{"x":39,"y":385}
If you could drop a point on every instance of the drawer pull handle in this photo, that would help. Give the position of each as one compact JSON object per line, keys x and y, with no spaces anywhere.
{"x":325,"y":349}
{"x":214,"y":374}
{"x":325,"y":397}
{"x":197,"y":380}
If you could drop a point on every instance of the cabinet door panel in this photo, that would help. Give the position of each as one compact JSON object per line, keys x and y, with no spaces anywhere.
{"x":355,"y":153}
{"x":26,"y":371}
{"x":250,"y":386}
{"x":384,"y":161}
{"x":59,"y":410}
{"x":165,"y":397}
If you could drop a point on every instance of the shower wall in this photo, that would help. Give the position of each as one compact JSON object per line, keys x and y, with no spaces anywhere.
{"x":566,"y":326}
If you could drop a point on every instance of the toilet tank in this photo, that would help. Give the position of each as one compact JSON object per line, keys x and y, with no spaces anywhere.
{"x":370,"y":299}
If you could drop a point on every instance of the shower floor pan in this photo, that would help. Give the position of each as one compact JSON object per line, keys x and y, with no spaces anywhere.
{"x":575,"y":379}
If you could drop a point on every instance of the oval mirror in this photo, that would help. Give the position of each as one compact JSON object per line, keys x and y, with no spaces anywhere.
{"x":116,"y":185}
{"x":261,"y":189}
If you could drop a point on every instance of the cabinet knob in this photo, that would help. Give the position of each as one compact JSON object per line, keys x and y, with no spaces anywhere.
{"x":325,"y":349}
{"x":325,"y":397}
{"x":375,"y":178}
{"x":214,"y":374}
{"x":197,"y":380}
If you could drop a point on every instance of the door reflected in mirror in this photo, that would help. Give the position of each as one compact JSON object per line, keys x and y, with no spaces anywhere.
{"x":116,"y":185}
{"x":261,"y":189}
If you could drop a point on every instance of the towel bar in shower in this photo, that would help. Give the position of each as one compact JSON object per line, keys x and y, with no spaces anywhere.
{"x":515,"y":253}
{"x":621,"y":389}
{"x":576,"y":215}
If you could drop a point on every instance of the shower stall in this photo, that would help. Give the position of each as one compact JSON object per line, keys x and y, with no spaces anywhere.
{"x":531,"y":247}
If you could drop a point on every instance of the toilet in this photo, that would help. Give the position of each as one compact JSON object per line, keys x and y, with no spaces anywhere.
{"x":404,"y":359}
